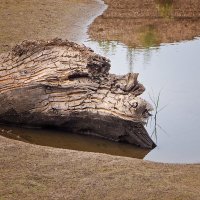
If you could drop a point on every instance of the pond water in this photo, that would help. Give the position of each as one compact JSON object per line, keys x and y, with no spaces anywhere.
{"x":171,"y":75}
{"x":61,"y":139}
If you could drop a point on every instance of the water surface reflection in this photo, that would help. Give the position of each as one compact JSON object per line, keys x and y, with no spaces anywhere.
{"x":59,"y":139}
{"x":173,"y":70}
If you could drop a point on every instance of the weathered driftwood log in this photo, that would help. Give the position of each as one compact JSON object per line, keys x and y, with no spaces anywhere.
{"x":62,"y":84}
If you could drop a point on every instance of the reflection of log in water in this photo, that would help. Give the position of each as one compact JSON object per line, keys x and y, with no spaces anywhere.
{"x":59,"y":139}
{"x":62,"y":84}
{"x":144,"y":23}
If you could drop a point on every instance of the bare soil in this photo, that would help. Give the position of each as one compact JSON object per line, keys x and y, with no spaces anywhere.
{"x":146,"y":23}
{"x":35,"y":172}
{"x":30,"y":20}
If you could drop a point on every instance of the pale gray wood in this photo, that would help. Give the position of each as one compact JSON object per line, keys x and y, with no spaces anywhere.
{"x":59,"y":83}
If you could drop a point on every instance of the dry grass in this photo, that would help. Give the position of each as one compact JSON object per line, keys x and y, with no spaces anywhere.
{"x":35,"y":172}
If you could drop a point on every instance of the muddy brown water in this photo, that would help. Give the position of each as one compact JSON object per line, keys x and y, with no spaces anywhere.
{"x":61,"y":139}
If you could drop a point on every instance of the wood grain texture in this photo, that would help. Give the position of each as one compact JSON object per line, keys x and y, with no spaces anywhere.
{"x":59,"y":83}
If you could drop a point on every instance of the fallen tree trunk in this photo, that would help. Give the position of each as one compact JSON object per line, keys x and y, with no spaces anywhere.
{"x":62,"y":84}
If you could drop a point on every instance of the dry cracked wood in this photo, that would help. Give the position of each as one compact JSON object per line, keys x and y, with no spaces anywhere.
{"x":62,"y":84}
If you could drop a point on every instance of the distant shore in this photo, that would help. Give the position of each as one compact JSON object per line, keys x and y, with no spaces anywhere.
{"x":35,"y":172}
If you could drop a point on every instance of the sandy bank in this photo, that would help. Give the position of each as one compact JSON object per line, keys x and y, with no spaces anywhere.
{"x":147,"y":23}
{"x":36,"y":172}
{"x":26,"y":19}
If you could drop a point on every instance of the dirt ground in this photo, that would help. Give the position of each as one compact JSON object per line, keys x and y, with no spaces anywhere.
{"x":35,"y":172}
{"x":30,"y":20}
{"x":147,"y":23}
